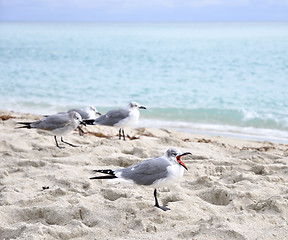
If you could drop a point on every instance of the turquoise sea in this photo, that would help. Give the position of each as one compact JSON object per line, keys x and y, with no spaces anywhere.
{"x":216,"y":78}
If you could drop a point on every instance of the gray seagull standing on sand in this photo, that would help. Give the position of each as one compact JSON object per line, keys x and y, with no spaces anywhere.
{"x":87,"y":113}
{"x":155,"y":172}
{"x":119,"y":118}
{"x":57,"y":125}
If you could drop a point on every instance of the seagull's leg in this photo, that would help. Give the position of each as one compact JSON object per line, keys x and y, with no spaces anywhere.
{"x":57,"y":143}
{"x":68,"y":143}
{"x":123,"y":134}
{"x":119,"y":133}
{"x":164,"y":208}
{"x":81,"y":132}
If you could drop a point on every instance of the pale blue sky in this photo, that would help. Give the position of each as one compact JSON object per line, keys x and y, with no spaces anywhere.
{"x":143,"y":10}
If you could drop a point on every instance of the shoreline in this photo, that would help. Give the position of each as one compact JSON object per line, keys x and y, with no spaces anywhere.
{"x":248,"y":133}
{"x":233,"y":189}
{"x":207,"y":129}
{"x":238,"y":135}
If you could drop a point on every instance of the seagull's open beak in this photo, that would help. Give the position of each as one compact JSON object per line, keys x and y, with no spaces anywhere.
{"x":142,"y":107}
{"x":180,"y":161}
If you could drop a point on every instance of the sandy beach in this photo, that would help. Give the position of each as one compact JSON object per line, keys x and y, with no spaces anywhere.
{"x":234,"y":188}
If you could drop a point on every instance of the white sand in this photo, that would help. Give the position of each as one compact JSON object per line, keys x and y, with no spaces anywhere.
{"x":234,"y":189}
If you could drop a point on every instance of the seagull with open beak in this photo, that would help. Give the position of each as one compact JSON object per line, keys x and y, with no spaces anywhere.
{"x":155,"y":172}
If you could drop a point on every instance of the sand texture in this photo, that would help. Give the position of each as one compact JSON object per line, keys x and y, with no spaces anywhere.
{"x":234,"y":189}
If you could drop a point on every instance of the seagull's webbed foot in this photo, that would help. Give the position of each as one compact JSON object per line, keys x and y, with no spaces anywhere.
{"x":57,"y":143}
{"x":164,"y":208}
{"x":70,"y":144}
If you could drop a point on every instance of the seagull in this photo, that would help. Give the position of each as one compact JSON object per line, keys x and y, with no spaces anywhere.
{"x":119,"y":117}
{"x":155,"y":172}
{"x":89,"y":112}
{"x":56,"y":124}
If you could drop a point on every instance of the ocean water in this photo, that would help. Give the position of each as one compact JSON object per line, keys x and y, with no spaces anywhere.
{"x":215,"y":78}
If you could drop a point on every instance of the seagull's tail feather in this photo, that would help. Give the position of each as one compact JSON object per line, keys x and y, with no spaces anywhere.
{"x":104,"y":177}
{"x":27,"y":124}
{"x":110,"y":172}
{"x":89,"y":121}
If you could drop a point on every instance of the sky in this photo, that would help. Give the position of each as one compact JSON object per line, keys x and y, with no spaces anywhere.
{"x":144,"y":10}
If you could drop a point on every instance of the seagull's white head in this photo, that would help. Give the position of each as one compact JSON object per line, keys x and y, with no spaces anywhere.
{"x":92,"y":111}
{"x":175,"y":155}
{"x":136,"y":105}
{"x":76,"y":117}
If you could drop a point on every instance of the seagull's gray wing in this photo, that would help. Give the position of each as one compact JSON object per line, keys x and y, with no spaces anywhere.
{"x":112,"y":117}
{"x":52,"y":122}
{"x":83,"y":114}
{"x":146,"y":172}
